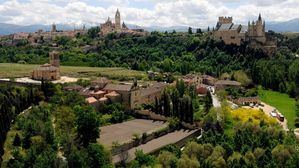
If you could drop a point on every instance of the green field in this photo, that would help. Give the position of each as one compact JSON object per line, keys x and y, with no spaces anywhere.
{"x":282,"y":102}
{"x":8,"y":70}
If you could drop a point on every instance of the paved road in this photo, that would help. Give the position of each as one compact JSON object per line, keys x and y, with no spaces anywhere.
{"x":156,"y":144}
{"x":215,"y":99}
{"x":123,"y":132}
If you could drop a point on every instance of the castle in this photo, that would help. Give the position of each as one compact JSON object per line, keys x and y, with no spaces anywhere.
{"x":254,"y":34}
{"x":117,"y":27}
{"x":50,"y":71}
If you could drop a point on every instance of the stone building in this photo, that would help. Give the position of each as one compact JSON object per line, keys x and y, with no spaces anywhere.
{"x":256,"y":30}
{"x":147,"y":95}
{"x":117,"y":27}
{"x":123,"y":89}
{"x":50,"y":71}
{"x":254,"y":34}
{"x":229,"y":32}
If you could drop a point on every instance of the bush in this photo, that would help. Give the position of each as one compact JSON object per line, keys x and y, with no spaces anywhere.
{"x":174,"y":123}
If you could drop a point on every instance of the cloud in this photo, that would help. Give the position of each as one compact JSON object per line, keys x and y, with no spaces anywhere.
{"x":197,"y":13}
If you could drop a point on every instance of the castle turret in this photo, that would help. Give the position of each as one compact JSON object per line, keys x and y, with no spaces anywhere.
{"x":117,"y":21}
{"x":260,"y":17}
{"x":256,"y":30}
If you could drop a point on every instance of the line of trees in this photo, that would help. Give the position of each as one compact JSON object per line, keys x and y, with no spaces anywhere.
{"x":172,"y":105}
{"x":181,"y":102}
{"x":13,"y":100}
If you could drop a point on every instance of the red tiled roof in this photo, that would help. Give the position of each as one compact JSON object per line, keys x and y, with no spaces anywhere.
{"x":91,"y":100}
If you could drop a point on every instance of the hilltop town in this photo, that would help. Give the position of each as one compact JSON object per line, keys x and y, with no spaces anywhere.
{"x":110,"y":96}
{"x":228,"y":32}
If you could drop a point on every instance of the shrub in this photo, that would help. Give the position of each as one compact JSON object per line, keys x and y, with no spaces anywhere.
{"x":17,"y":140}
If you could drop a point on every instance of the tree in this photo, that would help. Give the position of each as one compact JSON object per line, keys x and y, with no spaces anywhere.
{"x":190,"y":30}
{"x":180,"y":86}
{"x":208,"y":101}
{"x":77,"y":158}
{"x":187,"y":162}
{"x":87,"y":124}
{"x":241,"y":77}
{"x":17,"y":140}
{"x":17,"y":160}
{"x":93,"y":32}
{"x":46,"y":159}
{"x":166,"y":104}
{"x":98,"y":156}
{"x":235,"y":160}
{"x":167,"y":159}
{"x":48,"y":88}
{"x":198,"y":31}
{"x":144,"y":159}
{"x":175,"y":102}
{"x":281,"y":154}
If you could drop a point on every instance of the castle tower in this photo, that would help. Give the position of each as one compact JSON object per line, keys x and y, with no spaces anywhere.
{"x":54,"y":58}
{"x":53,"y":28}
{"x":117,"y":21}
{"x":260,"y":26}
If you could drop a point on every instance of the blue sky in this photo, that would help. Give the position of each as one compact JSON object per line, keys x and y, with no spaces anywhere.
{"x":196,"y":13}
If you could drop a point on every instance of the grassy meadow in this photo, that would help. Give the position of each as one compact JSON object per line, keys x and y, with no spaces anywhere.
{"x":282,"y":102}
{"x":9,"y":70}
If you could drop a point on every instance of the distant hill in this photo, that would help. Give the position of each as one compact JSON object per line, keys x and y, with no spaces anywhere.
{"x":288,"y":26}
{"x":6,"y":29}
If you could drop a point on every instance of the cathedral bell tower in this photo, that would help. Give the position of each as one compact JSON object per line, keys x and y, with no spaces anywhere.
{"x":117,"y":21}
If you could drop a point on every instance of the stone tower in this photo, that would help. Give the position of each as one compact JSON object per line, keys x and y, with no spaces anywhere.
{"x":53,"y":28}
{"x":256,"y":30}
{"x":117,"y":21}
{"x":54,"y":59}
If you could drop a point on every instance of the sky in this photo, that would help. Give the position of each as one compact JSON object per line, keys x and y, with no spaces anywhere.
{"x":195,"y":13}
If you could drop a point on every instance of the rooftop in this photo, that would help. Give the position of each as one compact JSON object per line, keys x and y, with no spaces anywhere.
{"x":91,"y":100}
{"x":225,"y":26}
{"x":228,"y":82}
{"x":118,"y":87}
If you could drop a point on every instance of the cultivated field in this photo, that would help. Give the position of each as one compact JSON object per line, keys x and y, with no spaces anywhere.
{"x":282,"y":102}
{"x":8,"y":70}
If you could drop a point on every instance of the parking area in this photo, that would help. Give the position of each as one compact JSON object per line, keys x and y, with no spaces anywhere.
{"x":269,"y":110}
{"x":123,"y":132}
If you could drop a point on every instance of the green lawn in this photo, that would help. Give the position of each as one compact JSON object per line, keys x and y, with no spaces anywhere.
{"x":8,"y":70}
{"x":282,"y":102}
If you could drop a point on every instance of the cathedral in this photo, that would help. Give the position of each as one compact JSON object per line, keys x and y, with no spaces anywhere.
{"x":118,"y":27}
{"x":109,"y":27}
